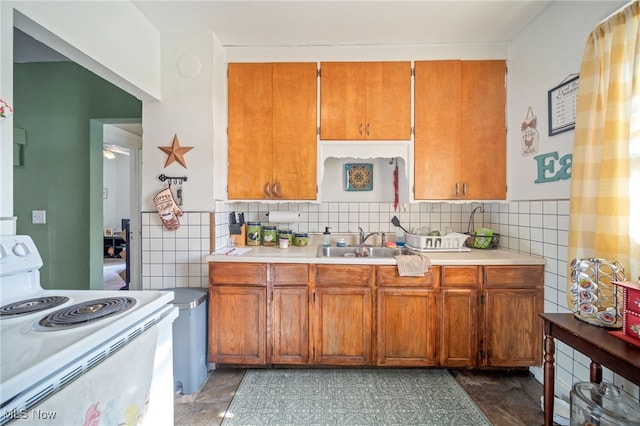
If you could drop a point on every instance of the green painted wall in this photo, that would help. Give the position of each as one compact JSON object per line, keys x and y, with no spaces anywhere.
{"x":53,"y":102}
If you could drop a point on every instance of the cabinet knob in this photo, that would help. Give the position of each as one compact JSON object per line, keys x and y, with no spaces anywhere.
{"x":267,"y":190}
{"x":276,"y":190}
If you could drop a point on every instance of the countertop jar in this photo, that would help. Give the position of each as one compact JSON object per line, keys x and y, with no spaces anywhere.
{"x":287,"y":233}
{"x":269,"y":235}
{"x":301,"y":239}
{"x":253,"y":233}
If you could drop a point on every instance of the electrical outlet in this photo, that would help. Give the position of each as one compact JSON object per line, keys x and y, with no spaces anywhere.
{"x":38,"y":216}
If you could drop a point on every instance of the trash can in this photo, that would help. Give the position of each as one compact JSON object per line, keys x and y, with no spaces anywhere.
{"x":189,"y":340}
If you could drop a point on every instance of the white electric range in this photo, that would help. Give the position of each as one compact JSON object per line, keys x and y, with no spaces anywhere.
{"x":80,"y":356}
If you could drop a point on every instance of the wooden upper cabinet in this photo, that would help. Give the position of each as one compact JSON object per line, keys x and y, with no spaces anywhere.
{"x":460,"y":130}
{"x":483,"y":164}
{"x":250,"y":109}
{"x":272,"y":111}
{"x":365,"y":100}
{"x":437,"y":113}
{"x":295,"y":112}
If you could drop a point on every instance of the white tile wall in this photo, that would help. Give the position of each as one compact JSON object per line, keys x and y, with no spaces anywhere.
{"x":177,"y":258}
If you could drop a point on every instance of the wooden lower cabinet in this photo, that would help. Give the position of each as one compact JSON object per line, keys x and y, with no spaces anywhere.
{"x":356,"y":315}
{"x":407,"y":315}
{"x":512,"y":329}
{"x":343,"y":314}
{"x":406,"y":327}
{"x":290,"y":328}
{"x":238,"y":324}
{"x":459,"y":315}
{"x":289,"y":331}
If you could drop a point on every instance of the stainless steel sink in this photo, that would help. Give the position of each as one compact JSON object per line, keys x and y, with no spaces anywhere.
{"x":361,"y":251}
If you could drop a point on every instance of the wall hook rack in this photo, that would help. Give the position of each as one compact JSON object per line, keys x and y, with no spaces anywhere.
{"x":177,"y":180}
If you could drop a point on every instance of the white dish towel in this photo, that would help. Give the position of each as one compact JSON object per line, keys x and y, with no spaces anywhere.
{"x":412,"y":265}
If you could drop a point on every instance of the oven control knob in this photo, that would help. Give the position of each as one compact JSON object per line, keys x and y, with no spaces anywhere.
{"x":20,"y":249}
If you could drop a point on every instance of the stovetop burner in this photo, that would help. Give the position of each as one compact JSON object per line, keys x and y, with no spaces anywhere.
{"x":28,"y":306}
{"x":85,"y":312}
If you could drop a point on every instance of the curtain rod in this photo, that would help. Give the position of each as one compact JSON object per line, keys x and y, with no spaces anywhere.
{"x":620,"y":9}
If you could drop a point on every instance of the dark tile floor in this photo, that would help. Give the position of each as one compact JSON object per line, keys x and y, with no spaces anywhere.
{"x":506,"y":397}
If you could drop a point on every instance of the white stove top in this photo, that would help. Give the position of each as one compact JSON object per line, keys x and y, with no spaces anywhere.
{"x":27,"y":354}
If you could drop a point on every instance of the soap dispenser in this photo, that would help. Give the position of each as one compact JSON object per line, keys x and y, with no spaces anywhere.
{"x":326,"y":237}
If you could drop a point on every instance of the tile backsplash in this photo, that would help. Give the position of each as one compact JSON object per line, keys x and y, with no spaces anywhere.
{"x":540,"y":228}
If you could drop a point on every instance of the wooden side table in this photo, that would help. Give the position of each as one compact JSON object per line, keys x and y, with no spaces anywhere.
{"x":595,"y":342}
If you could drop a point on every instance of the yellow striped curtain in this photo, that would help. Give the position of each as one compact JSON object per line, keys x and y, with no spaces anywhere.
{"x":604,"y":208}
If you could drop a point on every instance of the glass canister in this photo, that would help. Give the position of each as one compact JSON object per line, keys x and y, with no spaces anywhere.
{"x":602,"y":404}
{"x":269,"y":235}
{"x":253,"y":233}
{"x":301,"y":239}
{"x":287,"y":233}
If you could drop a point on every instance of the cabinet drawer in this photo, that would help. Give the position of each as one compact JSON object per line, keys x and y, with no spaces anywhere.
{"x":294,"y":274}
{"x":461,"y":276}
{"x":388,"y":276}
{"x":527,"y":276}
{"x":238,"y":273}
{"x":343,"y":275}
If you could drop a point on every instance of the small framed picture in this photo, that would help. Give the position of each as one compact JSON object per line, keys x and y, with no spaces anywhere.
{"x":108,"y":232}
{"x":562,"y":101}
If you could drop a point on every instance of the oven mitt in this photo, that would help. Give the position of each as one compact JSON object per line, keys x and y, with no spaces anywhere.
{"x":168,"y":209}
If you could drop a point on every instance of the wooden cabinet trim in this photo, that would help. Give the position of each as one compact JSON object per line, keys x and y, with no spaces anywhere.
{"x":291,"y":274}
{"x":525,"y":276}
{"x":344,"y":275}
{"x":234,"y":273}
{"x":461,"y":276}
{"x":388,"y":277}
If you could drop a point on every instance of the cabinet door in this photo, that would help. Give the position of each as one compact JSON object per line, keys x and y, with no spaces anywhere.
{"x":406,"y":327}
{"x":459,"y":325}
{"x":250,"y":131}
{"x":342,"y":100}
{"x":290,"y":325}
{"x":483,"y":163}
{"x":437,"y":146}
{"x":460,"y":130}
{"x":365,"y":100}
{"x":512,"y":327}
{"x":388,"y":101}
{"x":237,"y":324}
{"x":294,"y":131}
{"x":459,"y":315}
{"x":342,"y":326}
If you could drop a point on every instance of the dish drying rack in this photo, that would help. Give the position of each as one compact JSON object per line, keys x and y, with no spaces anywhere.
{"x":450,"y":242}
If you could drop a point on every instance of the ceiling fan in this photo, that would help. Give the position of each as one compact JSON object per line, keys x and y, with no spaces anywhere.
{"x":109,"y":151}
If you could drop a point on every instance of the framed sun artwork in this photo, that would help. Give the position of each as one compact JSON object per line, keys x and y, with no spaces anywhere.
{"x":358,"y":177}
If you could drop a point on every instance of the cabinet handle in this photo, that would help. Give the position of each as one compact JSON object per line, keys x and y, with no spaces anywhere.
{"x":464,"y":188}
{"x":361,"y":129}
{"x":267,"y":191}
{"x":276,"y":190}
{"x":457,"y":189}
{"x":368,"y":129}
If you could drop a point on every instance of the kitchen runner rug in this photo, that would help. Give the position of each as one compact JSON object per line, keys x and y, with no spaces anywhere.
{"x":352,"y":397}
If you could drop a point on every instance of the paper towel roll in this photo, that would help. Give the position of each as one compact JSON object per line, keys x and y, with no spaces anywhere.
{"x":284,"y":217}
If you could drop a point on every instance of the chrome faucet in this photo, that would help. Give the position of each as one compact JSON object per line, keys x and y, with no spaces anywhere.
{"x":362,"y":238}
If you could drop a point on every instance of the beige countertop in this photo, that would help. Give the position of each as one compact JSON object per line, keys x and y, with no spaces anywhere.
{"x":309,"y":255}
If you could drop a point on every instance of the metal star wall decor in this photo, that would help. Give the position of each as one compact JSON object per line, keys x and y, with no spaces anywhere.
{"x":175,"y":152}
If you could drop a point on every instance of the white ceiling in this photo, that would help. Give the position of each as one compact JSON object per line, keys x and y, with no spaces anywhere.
{"x":333,"y":23}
